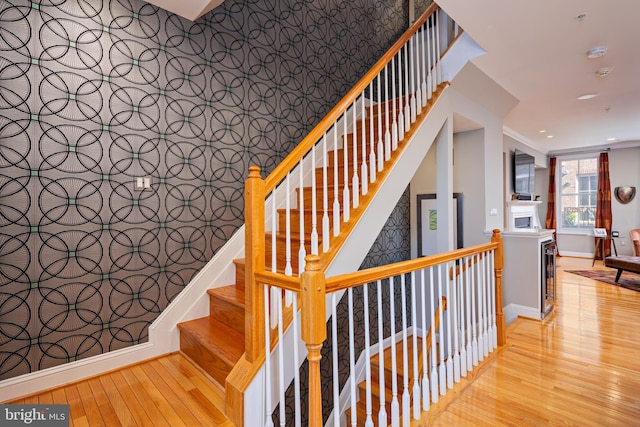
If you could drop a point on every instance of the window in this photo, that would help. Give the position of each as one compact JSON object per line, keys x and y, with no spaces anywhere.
{"x":578,"y":193}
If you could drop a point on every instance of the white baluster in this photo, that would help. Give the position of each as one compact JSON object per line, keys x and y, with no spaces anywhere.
{"x":434,"y":367}
{"x":429,"y":62}
{"x":325,"y":197}
{"x":438,"y":63}
{"x":400,"y":98}
{"x":352,"y":363}
{"x":314,"y":214}
{"x":346,"y":195}
{"x":455,"y":308}
{"x":372,"y":151}
{"x":288,"y":270}
{"x":426,"y":400}
{"x":394,"y":126}
{"x":469,"y":300}
{"x":449,"y":364}
{"x":275,"y":293}
{"x":442,"y":372}
{"x":463,"y":304}
{"x":387,"y":133}
{"x":486,"y":292}
{"x":416,"y":375}
{"x":424,"y":65}
{"x":296,"y":362}
{"x":412,"y":69}
{"x":480,"y":317}
{"x":417,"y":67}
{"x":355,"y":180}
{"x":334,"y":352}
{"x":395,"y":405}
{"x":407,"y":107}
{"x":434,"y":64}
{"x":336,"y":200}
{"x":406,"y":398}
{"x":302,"y":251}
{"x":367,"y":350}
{"x":267,"y":361}
{"x":382,"y":413}
{"x":364,"y":172}
{"x":380,"y":147}
{"x":474,"y":318}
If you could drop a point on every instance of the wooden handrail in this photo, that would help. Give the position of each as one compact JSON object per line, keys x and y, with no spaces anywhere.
{"x":349,"y":280}
{"x":281,"y":171}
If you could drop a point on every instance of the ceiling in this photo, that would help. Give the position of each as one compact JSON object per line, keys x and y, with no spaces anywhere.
{"x":537,"y":51}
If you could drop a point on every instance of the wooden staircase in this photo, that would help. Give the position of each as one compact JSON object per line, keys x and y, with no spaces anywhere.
{"x":216,"y":342}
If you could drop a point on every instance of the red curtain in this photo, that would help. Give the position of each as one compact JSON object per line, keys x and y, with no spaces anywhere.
{"x":550,"y":222}
{"x":603,"y":204}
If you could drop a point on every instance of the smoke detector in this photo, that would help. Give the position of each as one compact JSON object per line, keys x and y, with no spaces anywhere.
{"x":604,"y":71}
{"x":596,"y":52}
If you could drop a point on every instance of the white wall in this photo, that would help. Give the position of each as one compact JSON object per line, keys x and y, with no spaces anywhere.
{"x":624,"y":169}
{"x":468,"y":179}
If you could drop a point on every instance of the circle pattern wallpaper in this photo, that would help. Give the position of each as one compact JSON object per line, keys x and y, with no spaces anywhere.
{"x":98,"y":95}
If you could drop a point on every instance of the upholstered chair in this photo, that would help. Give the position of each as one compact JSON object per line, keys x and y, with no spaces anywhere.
{"x":635,"y":239}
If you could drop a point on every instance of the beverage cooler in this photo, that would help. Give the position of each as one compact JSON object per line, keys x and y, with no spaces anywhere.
{"x":548,"y":276}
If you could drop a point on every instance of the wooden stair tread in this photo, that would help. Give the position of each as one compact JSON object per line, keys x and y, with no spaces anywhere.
{"x":216,"y":337}
{"x":230,"y":293}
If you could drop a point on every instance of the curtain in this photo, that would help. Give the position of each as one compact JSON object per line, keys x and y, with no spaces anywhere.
{"x":550,"y":222}
{"x":603,"y":203}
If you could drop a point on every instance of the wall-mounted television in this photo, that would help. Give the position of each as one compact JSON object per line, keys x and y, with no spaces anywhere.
{"x":524,"y":172}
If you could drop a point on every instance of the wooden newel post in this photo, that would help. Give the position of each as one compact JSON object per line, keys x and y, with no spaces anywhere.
{"x":498,"y":265}
{"x":314,"y":332}
{"x":254,"y":196}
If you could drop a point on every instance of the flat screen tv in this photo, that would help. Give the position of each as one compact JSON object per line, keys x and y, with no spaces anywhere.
{"x":524,"y":173}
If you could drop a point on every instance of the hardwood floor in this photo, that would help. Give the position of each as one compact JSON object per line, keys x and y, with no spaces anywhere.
{"x":580,"y":366}
{"x":168,"y":391}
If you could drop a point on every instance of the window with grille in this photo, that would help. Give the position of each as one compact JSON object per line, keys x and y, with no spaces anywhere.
{"x":578,"y":193}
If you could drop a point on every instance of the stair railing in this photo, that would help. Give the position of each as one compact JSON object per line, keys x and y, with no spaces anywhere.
{"x":440,"y":315}
{"x":310,"y":201}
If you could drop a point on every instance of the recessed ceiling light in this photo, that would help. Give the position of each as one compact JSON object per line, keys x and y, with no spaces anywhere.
{"x":587,"y":96}
{"x":612,"y":139}
{"x":596,"y":52}
{"x":542,"y":131}
{"x":604,"y":71}
{"x":549,"y":136}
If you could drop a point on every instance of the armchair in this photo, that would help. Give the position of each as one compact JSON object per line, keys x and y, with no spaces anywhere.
{"x":635,"y":239}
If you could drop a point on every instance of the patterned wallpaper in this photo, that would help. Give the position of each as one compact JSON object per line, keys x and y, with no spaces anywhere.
{"x":94,"y":94}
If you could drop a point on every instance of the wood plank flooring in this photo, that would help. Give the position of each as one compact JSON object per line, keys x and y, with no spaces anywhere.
{"x":167,"y":391}
{"x":580,"y":366}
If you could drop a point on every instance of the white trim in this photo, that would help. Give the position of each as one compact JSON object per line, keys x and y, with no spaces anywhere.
{"x":513,"y":311}
{"x":588,"y":255}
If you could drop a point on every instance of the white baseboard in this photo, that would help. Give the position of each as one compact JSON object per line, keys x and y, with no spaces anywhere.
{"x":513,"y":311}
